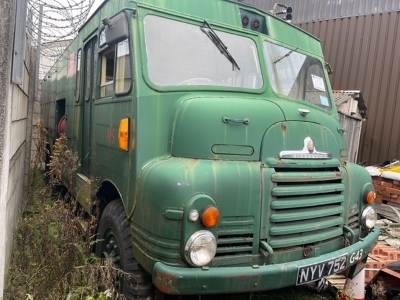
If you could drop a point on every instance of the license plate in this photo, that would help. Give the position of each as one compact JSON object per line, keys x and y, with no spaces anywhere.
{"x":319,"y":270}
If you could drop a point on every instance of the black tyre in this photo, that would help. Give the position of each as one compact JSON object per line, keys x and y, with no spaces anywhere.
{"x":115,"y":243}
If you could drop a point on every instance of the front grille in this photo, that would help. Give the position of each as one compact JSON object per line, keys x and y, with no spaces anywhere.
{"x":353,"y":219}
{"x":234,"y":244}
{"x":306,"y":207}
{"x":235,"y":236}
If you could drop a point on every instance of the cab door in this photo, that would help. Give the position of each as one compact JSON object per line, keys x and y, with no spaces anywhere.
{"x":90,"y":66}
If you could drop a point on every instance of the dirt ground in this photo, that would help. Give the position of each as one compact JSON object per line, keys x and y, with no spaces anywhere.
{"x":292,"y":293}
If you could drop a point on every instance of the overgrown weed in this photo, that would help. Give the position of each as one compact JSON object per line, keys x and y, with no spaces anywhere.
{"x":52,"y":254}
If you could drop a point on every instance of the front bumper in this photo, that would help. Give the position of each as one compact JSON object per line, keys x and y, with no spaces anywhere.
{"x":226,"y":280}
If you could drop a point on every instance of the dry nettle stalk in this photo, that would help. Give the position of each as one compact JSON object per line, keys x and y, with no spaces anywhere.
{"x":63,"y":163}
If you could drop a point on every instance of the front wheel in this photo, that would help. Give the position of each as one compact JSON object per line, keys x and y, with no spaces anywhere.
{"x":115,"y":243}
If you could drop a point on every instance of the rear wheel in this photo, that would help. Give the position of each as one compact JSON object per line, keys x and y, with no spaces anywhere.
{"x":115,"y":243}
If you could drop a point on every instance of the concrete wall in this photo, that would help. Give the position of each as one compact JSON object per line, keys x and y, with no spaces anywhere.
{"x":15,"y":120}
{"x":49,"y":54}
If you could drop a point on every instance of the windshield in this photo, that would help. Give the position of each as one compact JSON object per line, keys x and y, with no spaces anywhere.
{"x":183,"y":54}
{"x":296,"y":75}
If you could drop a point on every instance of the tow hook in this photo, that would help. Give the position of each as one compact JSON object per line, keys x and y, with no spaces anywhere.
{"x":322,"y":284}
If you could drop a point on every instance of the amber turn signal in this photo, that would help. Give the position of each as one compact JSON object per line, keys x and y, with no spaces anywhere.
{"x":370,"y":197}
{"x":123,"y":134}
{"x":210,"y":216}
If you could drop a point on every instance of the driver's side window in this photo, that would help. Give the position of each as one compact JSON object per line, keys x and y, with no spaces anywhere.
{"x":115,"y":70}
{"x":107,"y":73}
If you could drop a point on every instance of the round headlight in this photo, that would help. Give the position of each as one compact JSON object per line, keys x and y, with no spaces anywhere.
{"x":368,"y":217}
{"x":200,"y":248}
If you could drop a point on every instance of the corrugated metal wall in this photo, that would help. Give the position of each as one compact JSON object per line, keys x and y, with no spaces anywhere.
{"x":364,"y":52}
{"x":315,"y":10}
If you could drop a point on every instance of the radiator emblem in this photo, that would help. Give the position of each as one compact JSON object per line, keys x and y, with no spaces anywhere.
{"x":309,"y":145}
{"x":308,"y":151}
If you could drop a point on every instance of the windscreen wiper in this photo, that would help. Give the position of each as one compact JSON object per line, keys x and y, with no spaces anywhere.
{"x":286,"y":55}
{"x":220,"y":44}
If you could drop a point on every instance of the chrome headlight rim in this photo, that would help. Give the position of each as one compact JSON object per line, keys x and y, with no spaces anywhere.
{"x":195,"y":245}
{"x":367,"y":221}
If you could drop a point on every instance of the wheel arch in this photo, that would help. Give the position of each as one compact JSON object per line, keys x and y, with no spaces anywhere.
{"x":106,"y":193}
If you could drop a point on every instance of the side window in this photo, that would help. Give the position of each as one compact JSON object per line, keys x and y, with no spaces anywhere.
{"x":115,"y":70}
{"x":78,"y":75}
{"x":88,"y":71}
{"x":107,"y":73}
{"x":95,"y":58}
{"x":123,"y":68}
{"x":102,"y":38}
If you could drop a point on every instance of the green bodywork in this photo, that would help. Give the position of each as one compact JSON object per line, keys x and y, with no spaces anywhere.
{"x":183,"y":155}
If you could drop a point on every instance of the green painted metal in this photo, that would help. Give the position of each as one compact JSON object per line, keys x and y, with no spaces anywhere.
{"x":295,"y":215}
{"x":305,"y":238}
{"x":306,"y":202}
{"x":307,"y":190}
{"x":299,"y":177}
{"x":198,"y":141}
{"x":318,"y":224}
{"x":248,"y":278}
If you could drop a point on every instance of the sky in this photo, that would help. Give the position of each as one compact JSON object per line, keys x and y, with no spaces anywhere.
{"x":96,"y":4}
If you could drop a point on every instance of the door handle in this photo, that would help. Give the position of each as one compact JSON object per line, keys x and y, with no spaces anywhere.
{"x":227,"y":120}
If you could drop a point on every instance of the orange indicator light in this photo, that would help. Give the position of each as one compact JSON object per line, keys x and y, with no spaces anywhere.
{"x":210,"y":216}
{"x":370,"y":197}
{"x":123,"y":134}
